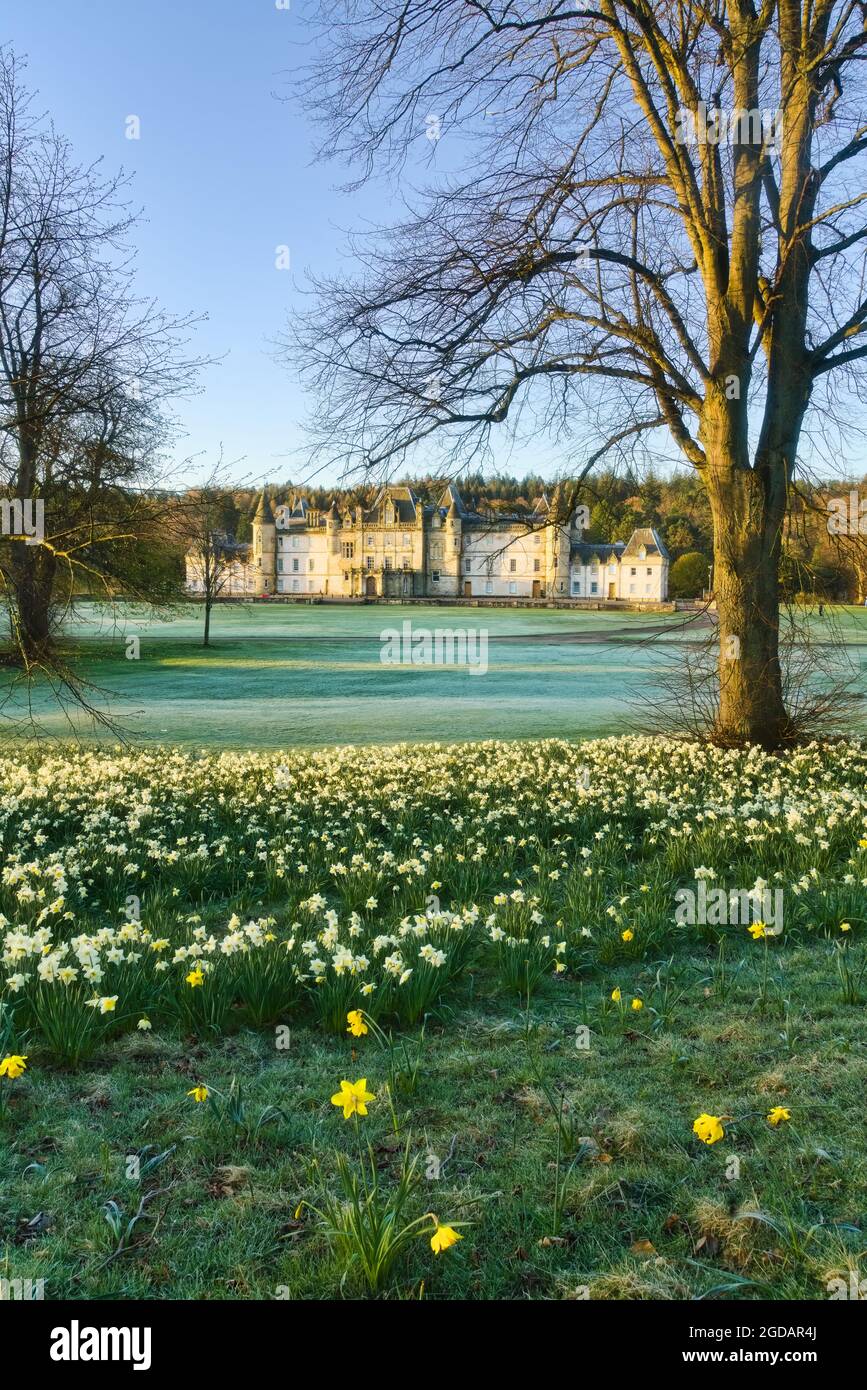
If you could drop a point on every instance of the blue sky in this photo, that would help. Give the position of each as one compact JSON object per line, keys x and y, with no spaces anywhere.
{"x":224,"y":173}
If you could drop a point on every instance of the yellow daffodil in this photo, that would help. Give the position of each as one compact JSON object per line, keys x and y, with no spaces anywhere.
{"x":199,"y":1094}
{"x":353,"y":1097}
{"x":106,"y":1004}
{"x":443,"y":1238}
{"x":616,"y":996}
{"x":355,"y":1023}
{"x":627,"y":935}
{"x":778,"y":1115}
{"x":637,"y":1004}
{"x":844,"y":926}
{"x":196,"y":977}
{"x":862,"y":844}
{"x":757,"y":930}
{"x":709,"y":1129}
{"x":13,"y":1066}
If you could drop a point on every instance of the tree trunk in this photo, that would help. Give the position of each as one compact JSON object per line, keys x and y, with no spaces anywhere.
{"x":208,"y":602}
{"x":747,"y":548}
{"x":33,"y":572}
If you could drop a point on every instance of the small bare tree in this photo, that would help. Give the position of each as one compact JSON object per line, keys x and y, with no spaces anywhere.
{"x":211,"y":554}
{"x":660,"y":234}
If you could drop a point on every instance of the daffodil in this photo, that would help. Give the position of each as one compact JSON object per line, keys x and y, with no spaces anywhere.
{"x":616,"y":995}
{"x":778,"y":1115}
{"x":355,"y":1023}
{"x":199,"y":1094}
{"x":106,"y":1004}
{"x":627,"y":935}
{"x":13,"y":1066}
{"x":353,"y":1096}
{"x":757,"y":930}
{"x":443,"y":1238}
{"x":709,"y":1129}
{"x":637,"y":1004}
{"x":195,"y":978}
{"x":844,"y":926}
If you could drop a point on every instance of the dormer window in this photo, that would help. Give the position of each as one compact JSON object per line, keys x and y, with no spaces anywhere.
{"x":642,"y":553}
{"x":389,"y":514}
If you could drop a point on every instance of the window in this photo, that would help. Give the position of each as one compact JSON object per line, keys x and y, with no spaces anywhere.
{"x":633,"y":571}
{"x":537,"y":565}
{"x":647,"y":588}
{"x":369,"y":539}
{"x":346,"y":575}
{"x":594,"y":588}
{"x":513,"y":566}
{"x":576,"y":586}
{"x":489,"y":588}
{"x":294,"y":566}
{"x":279,"y":564}
{"x":612,"y":569}
{"x":295,"y":586}
{"x":369,"y":561}
{"x":649,"y":570}
{"x":311,"y":564}
{"x":387,"y":562}
{"x":294,"y":542}
{"x":632,"y":588}
{"x":435,"y":576}
{"x":407,"y":562}
{"x":513,"y":588}
{"x":468,"y":566}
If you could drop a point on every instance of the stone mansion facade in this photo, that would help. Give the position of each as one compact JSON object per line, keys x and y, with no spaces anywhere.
{"x":401,"y":548}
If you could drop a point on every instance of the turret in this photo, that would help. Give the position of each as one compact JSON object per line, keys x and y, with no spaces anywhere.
{"x":558,"y":550}
{"x":265,"y":544}
{"x":453,"y":524}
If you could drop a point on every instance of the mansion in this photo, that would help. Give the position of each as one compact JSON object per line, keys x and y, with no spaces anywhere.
{"x":402,"y":548}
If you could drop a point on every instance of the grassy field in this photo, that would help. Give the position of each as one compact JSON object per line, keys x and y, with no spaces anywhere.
{"x":287,"y":675}
{"x":544,"y":1076}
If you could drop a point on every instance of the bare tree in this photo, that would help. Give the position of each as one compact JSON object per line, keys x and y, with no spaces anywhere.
{"x":85,"y":371}
{"x":661,"y":228}
{"x":212,"y":555}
